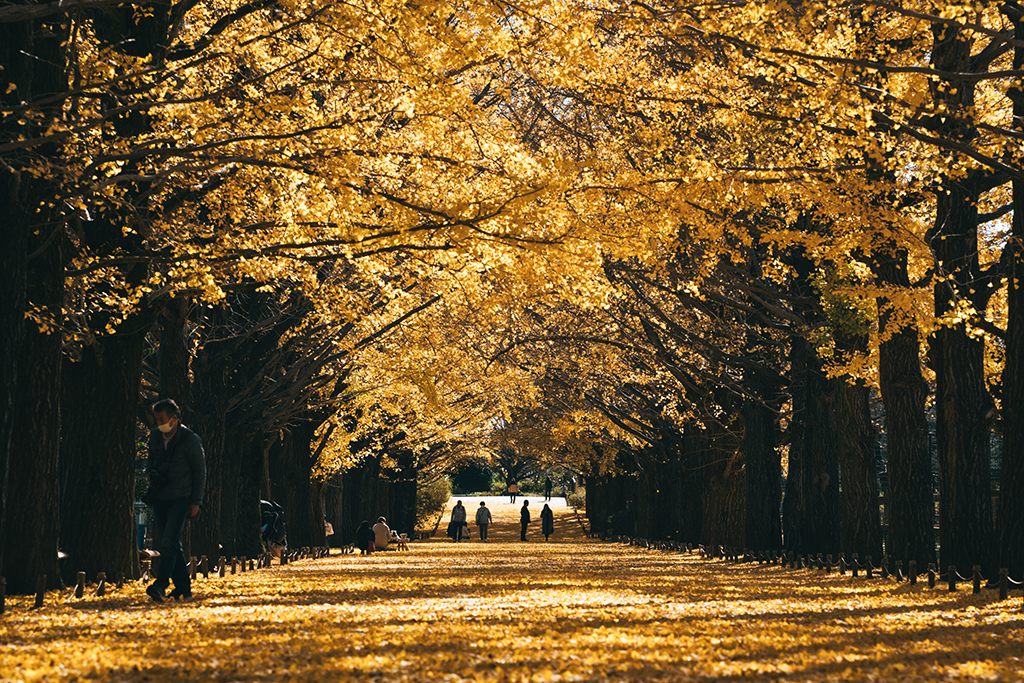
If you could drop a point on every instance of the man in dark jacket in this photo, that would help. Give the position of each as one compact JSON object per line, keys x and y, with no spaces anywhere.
{"x":177,"y":470}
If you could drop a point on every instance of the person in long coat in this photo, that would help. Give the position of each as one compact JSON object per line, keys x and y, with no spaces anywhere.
{"x":547,"y":521}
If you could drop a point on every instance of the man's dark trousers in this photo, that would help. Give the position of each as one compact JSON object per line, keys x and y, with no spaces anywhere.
{"x":170,"y":524}
{"x":522,"y":534}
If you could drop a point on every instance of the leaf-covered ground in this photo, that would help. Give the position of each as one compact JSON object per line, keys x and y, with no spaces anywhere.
{"x":571,"y":609}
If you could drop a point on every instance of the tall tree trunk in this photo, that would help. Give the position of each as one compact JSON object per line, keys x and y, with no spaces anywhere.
{"x":964,"y":409}
{"x":724,"y":497}
{"x":811,"y":509}
{"x":1010,"y":524}
{"x":209,"y":400}
{"x":100,"y":441}
{"x":855,"y":433}
{"x":764,"y":477}
{"x":294,"y":487}
{"x":904,"y":391}
{"x":33,"y":502}
{"x":174,"y":357}
{"x":233,"y":455}
{"x":334,"y":509}
{"x":13,"y":252}
{"x":247,"y":524}
{"x":31,"y":68}
{"x":692,"y":513}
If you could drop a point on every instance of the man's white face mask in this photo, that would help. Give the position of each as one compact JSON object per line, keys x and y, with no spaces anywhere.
{"x":166,"y":427}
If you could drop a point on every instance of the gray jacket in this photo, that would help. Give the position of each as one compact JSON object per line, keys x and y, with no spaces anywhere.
{"x":183,"y":463}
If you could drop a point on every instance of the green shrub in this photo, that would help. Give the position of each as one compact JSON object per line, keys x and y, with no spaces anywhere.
{"x":577,"y":499}
{"x":430,"y":500}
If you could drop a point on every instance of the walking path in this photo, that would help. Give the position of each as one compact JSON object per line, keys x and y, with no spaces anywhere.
{"x":573,"y":609}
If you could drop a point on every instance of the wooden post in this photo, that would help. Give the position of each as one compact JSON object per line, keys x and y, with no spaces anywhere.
{"x":80,"y":586}
{"x":244,"y":561}
{"x":931,"y":575}
{"x":856,"y":564}
{"x":976,"y":578}
{"x":952,"y":578}
{"x":101,"y":584}
{"x":870,"y":568}
{"x":912,"y":568}
{"x":193,"y":567}
{"x":250,"y":564}
{"x":220,"y":566}
{"x":899,"y":571}
{"x":204,"y":566}
{"x":842,"y":564}
{"x":284,"y":558}
{"x":234,"y":565}
{"x":40,"y":591}
{"x":120,"y":580}
{"x":1004,"y":583}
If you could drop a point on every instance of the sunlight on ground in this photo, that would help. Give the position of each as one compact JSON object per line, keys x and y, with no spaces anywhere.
{"x":572,"y":609}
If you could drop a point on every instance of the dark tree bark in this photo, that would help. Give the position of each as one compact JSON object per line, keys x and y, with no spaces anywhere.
{"x":862,"y":533}
{"x":359,"y":497}
{"x":402,"y":495}
{"x":1010,"y":524}
{"x":294,"y":487}
{"x":811,"y":511}
{"x":33,"y":505}
{"x":724,"y":496}
{"x":13,"y":253}
{"x":31,"y":68}
{"x":209,"y":400}
{"x":174,"y":357}
{"x":763,"y":477}
{"x":909,"y":501}
{"x":99,"y":444}
{"x":964,"y":409}
{"x":247,"y":523}
{"x":334,"y":510}
{"x":692,"y":512}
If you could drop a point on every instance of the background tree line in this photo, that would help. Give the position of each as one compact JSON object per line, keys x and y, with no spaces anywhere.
{"x":663,"y":241}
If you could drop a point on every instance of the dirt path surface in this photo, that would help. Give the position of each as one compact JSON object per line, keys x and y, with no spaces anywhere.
{"x":573,"y":609}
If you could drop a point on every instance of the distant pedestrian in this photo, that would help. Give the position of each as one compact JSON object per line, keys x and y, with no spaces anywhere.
{"x":513,"y":490}
{"x":483,"y":520}
{"x":547,"y":521}
{"x":547,"y":488}
{"x":458,"y":521}
{"x":524,"y":519}
{"x":365,"y":538}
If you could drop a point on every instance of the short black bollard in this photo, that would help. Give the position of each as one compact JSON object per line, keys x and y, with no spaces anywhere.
{"x":1004,"y":583}
{"x":80,"y":585}
{"x":976,"y":579}
{"x":245,"y":561}
{"x":193,"y":567}
{"x":204,"y":566}
{"x":842,"y":565}
{"x":952,"y":578}
{"x":120,"y":580}
{"x":220,"y":566}
{"x":855,"y":565}
{"x":234,"y":565}
{"x":899,"y":571}
{"x":40,"y":591}
{"x":931,"y":575}
{"x":912,"y":568}
{"x":101,"y":584}
{"x":869,"y":569}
